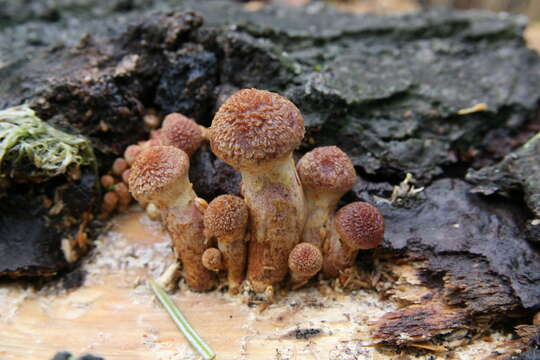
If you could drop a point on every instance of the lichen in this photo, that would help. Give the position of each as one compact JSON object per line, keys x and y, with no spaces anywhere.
{"x":34,"y":150}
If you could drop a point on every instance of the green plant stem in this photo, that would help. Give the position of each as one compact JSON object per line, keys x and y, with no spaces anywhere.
{"x":191,"y":335}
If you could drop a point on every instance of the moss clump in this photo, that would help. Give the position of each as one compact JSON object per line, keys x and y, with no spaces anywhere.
{"x":32,"y":150}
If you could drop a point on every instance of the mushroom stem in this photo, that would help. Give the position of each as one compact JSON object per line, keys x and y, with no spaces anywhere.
{"x":337,"y":255}
{"x":320,"y":210}
{"x":184,"y":222}
{"x":277,"y":215}
{"x":160,"y":176}
{"x":234,"y":257}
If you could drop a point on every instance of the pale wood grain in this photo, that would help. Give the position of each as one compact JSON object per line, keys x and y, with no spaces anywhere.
{"x":114,"y":314}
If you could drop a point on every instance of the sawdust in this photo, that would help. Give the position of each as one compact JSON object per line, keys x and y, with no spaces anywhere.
{"x":168,"y":351}
{"x":115,"y":253}
{"x":11,"y":298}
{"x":311,"y":323}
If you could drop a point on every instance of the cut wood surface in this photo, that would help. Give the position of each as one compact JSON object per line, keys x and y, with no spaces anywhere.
{"x":114,"y":314}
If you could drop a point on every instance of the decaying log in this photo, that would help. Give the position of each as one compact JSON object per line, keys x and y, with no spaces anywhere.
{"x":455,"y":258}
{"x":419,"y":323}
{"x":385,"y":89}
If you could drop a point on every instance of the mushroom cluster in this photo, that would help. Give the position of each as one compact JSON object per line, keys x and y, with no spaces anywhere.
{"x":284,"y":228}
{"x":177,"y":130}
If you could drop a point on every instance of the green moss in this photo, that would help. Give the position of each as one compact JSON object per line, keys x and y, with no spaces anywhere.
{"x":34,"y":150}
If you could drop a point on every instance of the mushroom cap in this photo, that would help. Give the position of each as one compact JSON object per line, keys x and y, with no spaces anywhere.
{"x":181,"y":132}
{"x":360,"y":225}
{"x":226,"y":215}
{"x":255,"y":126}
{"x":211,"y":259}
{"x":157,"y":173}
{"x":327,"y":168}
{"x":305,"y":259}
{"x":131,"y":153}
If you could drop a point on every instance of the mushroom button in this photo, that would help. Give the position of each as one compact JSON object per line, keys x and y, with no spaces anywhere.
{"x":226,"y":219}
{"x":212,"y":259}
{"x":160,"y":176}
{"x":255,"y":131}
{"x":118,"y":166}
{"x":305,"y":261}
{"x":181,"y":132}
{"x":357,"y":226}
{"x":327,"y":173}
{"x":131,"y":153}
{"x":110,"y":200}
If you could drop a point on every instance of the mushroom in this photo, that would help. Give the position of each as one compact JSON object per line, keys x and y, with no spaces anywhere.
{"x":107,"y":181}
{"x":131,"y":153}
{"x":110,"y":201}
{"x":327,"y":173}
{"x":357,"y":226}
{"x":212,"y":259}
{"x":226,"y":219}
{"x":181,"y":132}
{"x":178,"y":131}
{"x":255,"y":131}
{"x":305,"y":261}
{"x":160,"y":176}
{"x":124,"y":199}
{"x":118,"y":166}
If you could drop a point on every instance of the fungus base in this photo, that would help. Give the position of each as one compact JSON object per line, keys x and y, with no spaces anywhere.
{"x":114,"y":315}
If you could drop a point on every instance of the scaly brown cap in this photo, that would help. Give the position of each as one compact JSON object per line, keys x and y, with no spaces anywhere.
{"x":181,"y":132}
{"x":327,"y":168}
{"x":157,"y":173}
{"x":226,"y":215}
{"x":305,"y":259}
{"x":211,"y":259}
{"x":360,"y":225}
{"x":255,"y":126}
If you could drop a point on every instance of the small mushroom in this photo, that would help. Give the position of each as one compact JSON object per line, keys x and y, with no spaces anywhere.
{"x":256,"y":131}
{"x":110,"y":201}
{"x":124,"y":199}
{"x":160,"y":176}
{"x":212,"y":259}
{"x":152,"y":212}
{"x":131,"y":153}
{"x":107,"y":181}
{"x":226,"y":219}
{"x":327,"y":173}
{"x":181,"y":132}
{"x":305,"y":261}
{"x":118,"y":166}
{"x":357,"y":226}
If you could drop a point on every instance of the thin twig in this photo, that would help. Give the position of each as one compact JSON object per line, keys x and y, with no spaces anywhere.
{"x":191,"y":335}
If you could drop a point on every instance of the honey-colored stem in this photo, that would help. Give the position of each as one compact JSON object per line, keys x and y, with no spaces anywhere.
{"x":320,"y":207}
{"x":276,"y":203}
{"x":184,"y":222}
{"x":234,"y":251}
{"x":298,"y":280}
{"x":337,"y":256}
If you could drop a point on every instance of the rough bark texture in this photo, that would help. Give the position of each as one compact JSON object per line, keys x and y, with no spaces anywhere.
{"x":387,"y":90}
{"x":31,"y":232}
{"x":518,"y":173}
{"x":454,"y":259}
